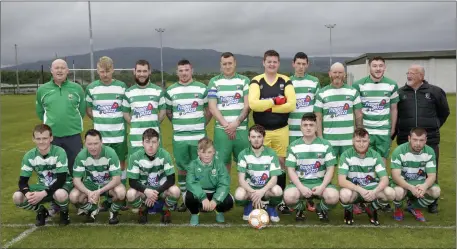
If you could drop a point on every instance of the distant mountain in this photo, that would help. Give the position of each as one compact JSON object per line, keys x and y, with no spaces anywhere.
{"x":203,"y":60}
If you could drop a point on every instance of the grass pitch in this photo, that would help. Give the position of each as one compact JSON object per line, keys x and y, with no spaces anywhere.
{"x":18,"y":118}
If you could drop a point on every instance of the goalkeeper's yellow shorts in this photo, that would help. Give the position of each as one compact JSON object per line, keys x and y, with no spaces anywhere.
{"x":278,"y":140}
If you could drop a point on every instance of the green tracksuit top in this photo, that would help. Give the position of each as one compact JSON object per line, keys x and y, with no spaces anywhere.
{"x":211,"y":178}
{"x":62,"y":108}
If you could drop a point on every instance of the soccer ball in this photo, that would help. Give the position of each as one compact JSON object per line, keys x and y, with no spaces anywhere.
{"x":259,"y":218}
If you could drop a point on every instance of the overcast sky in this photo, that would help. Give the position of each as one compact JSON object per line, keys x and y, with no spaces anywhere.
{"x":43,"y":29}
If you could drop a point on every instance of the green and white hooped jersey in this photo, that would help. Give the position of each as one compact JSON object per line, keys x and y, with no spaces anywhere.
{"x":377,"y":97}
{"x":365,"y":172}
{"x":97,"y":170}
{"x":47,"y":166}
{"x":337,"y":106}
{"x":310,"y":161}
{"x":188,"y":103}
{"x":414,"y":166}
{"x":259,"y":170}
{"x":150,"y":173}
{"x":305,"y":89}
{"x":229,"y":94}
{"x":106,"y":103}
{"x":144,"y":105}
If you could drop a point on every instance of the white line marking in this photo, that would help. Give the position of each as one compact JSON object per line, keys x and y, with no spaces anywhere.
{"x":21,"y":236}
{"x":235,"y":225}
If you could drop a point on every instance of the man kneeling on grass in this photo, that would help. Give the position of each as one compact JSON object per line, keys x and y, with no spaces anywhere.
{"x":414,"y":173}
{"x":151,"y":177}
{"x":99,"y":165}
{"x":54,"y":182}
{"x":258,"y":171}
{"x":208,"y":184}
{"x":363,"y":178}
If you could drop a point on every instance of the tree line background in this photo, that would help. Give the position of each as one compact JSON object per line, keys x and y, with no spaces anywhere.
{"x":83,"y":77}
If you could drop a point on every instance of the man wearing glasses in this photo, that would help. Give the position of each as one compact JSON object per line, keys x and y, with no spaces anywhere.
{"x":422,"y":105}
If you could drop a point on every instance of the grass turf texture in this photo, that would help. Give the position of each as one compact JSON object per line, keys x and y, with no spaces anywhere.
{"x":18,"y":118}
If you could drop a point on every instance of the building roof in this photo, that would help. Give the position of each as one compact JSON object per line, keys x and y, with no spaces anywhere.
{"x":403,"y":56}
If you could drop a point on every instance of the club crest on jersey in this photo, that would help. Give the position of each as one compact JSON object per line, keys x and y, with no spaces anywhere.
{"x":238,"y":87}
{"x":319,"y":155}
{"x":348,"y":97}
{"x":374,"y":105}
{"x":386,"y":94}
{"x":338,"y":111}
{"x":259,"y":180}
{"x":141,"y":111}
{"x":187,"y":108}
{"x":117,"y":96}
{"x":196,"y":95}
{"x":281,"y":86}
{"x":213,"y":172}
{"x":230,"y":100}
{"x":309,"y":169}
{"x":153,"y":180}
{"x":70,"y":96}
{"x":105,"y":109}
{"x":303,"y":102}
{"x":427,"y":96}
{"x":362,"y":181}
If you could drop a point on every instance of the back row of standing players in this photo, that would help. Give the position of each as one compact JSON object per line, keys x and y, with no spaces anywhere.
{"x":229,"y":97}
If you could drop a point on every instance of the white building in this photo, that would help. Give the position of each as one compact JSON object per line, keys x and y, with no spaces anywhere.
{"x":440,"y":67}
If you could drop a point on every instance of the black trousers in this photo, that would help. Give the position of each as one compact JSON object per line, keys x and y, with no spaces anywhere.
{"x":194,"y":205}
{"x":72,"y":146}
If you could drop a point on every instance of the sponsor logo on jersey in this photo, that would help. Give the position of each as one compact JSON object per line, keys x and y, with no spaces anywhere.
{"x":230,"y":100}
{"x":100,"y":178}
{"x":375,"y":106}
{"x":187,"y":108}
{"x":338,"y":111}
{"x":105,"y":109}
{"x":363,"y":181}
{"x":414,"y":176}
{"x":48,"y":177}
{"x":143,"y":110}
{"x":153,"y":180}
{"x":259,"y":180}
{"x":303,"y":102}
{"x":309,"y":169}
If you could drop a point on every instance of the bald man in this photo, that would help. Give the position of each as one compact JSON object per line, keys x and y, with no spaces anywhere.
{"x":336,"y":106}
{"x":61,"y":104}
{"x":422,"y":105}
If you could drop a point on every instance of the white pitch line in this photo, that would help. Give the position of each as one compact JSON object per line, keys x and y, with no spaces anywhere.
{"x":21,"y":236}
{"x":235,"y":225}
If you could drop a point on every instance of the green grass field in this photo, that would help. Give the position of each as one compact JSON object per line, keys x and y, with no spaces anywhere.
{"x":17,"y":229}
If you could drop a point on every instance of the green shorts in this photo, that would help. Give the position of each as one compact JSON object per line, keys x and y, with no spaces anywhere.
{"x":184,"y":152}
{"x":381,"y":143}
{"x":92,"y":187}
{"x":338,"y":150}
{"x":68,"y":186}
{"x":310,"y":186}
{"x":225,"y":147}
{"x":121,"y":150}
{"x":414,"y":183}
{"x":359,"y":198}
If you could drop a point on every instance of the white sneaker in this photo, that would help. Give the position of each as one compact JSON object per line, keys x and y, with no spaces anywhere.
{"x":274,"y":218}
{"x":245,"y":217}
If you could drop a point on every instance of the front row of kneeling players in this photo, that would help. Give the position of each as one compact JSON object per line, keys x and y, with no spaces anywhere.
{"x":310,"y":164}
